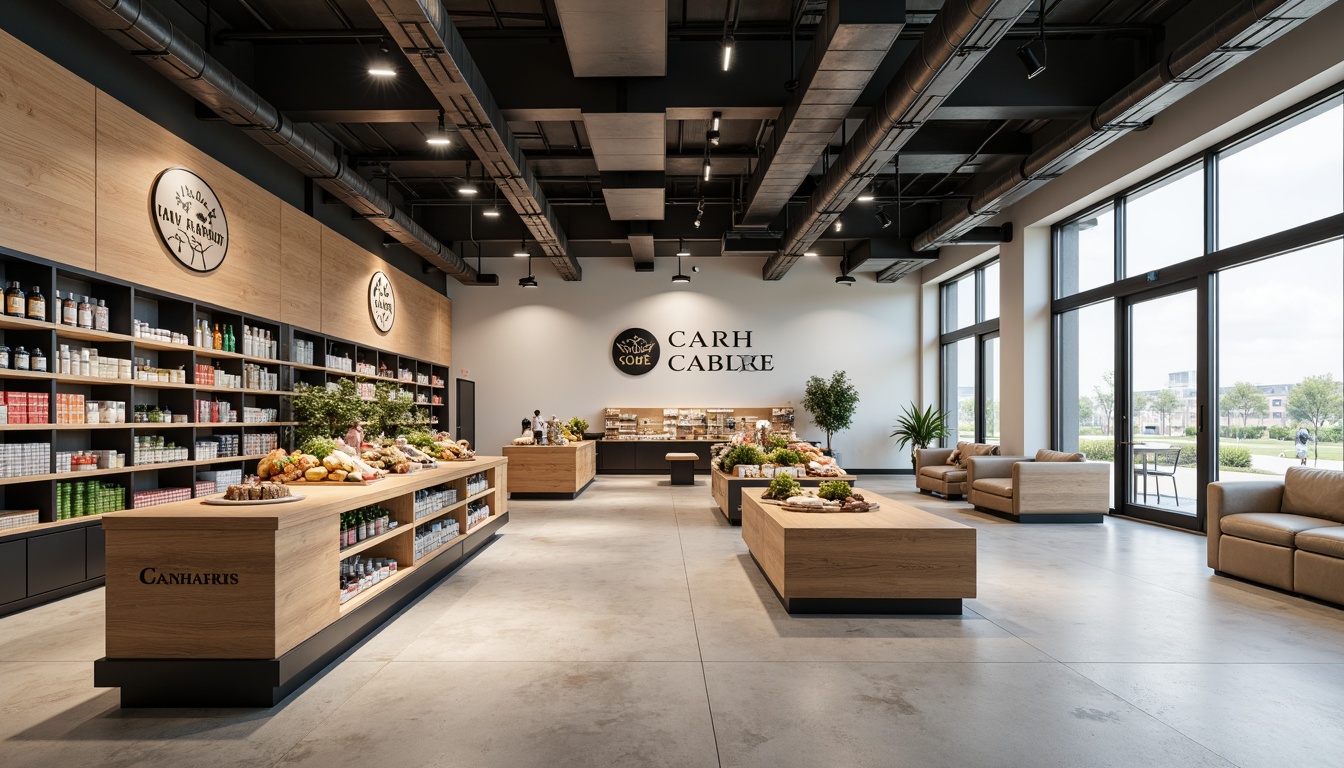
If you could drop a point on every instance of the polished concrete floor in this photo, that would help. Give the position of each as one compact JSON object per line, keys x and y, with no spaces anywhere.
{"x":631,"y":628}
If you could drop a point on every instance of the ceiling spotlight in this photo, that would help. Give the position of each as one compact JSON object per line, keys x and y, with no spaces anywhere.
{"x":699,"y":213}
{"x":839,"y":225}
{"x":527,"y":282}
{"x":440,"y":137}
{"x":866,"y":197}
{"x":728,"y":53}
{"x":681,"y":250}
{"x":680,"y":278}
{"x":714,"y":122}
{"x":466,"y":187}
{"x":707,"y":168}
{"x":1034,"y":62}
{"x":381,"y":65}
{"x":712,"y":137}
{"x":882,"y":218}
{"x":490,"y":213}
{"x":695,"y":269}
{"x":809,"y":253}
{"x":845,"y":280}
{"x":522,"y":251}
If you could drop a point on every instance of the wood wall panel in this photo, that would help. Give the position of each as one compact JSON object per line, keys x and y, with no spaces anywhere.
{"x":132,"y":151}
{"x":300,"y":280}
{"x":46,"y":157}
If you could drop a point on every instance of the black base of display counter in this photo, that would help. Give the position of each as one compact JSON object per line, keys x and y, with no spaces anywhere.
{"x":266,"y":682}
{"x":550,"y":496}
{"x":42,"y":564}
{"x":648,"y":457}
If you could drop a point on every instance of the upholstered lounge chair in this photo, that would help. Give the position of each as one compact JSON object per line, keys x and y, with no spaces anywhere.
{"x":934,"y":475}
{"x":1054,"y":487}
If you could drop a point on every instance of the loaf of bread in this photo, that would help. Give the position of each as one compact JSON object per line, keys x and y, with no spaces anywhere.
{"x":256,"y":492}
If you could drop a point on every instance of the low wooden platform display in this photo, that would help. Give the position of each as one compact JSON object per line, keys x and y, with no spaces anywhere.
{"x":238,"y":606}
{"x":727,"y":490}
{"x":896,"y":559}
{"x":551,"y":471}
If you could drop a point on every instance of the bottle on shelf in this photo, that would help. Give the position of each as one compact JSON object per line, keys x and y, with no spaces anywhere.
{"x":85,"y":314}
{"x":21,"y":359}
{"x":38,"y":360}
{"x":218,"y":340}
{"x":37,"y":304}
{"x":70,"y":311}
{"x":14,"y":300}
{"x":247,"y":340}
{"x":231,"y":343}
{"x":102,"y":316}
{"x":196,"y":334}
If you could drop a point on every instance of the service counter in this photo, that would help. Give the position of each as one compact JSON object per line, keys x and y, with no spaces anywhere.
{"x":895,"y":559}
{"x":727,"y":490}
{"x":649,"y":457}
{"x":218,"y":606}
{"x":551,"y":471}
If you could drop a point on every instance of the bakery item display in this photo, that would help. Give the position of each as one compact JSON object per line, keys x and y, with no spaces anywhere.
{"x":257,"y":491}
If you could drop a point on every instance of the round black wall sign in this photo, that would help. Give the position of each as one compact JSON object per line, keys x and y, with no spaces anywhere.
{"x":635,"y":351}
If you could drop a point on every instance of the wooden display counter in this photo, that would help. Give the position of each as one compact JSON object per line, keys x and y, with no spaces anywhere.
{"x":239,"y":605}
{"x":551,"y":471}
{"x":727,"y":490}
{"x":895,"y":559}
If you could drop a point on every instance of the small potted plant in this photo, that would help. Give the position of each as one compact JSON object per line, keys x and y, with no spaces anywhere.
{"x":919,"y":429}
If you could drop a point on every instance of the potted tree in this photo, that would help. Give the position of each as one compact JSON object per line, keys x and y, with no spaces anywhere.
{"x":831,"y":403}
{"x":919,"y":429}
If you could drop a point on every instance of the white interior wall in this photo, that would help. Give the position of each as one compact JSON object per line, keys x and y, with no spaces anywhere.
{"x":549,"y":347}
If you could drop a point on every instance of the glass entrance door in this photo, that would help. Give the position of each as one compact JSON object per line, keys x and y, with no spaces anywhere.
{"x":1157,"y":456}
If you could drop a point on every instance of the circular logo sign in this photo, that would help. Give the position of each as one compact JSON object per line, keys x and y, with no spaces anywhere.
{"x":189,"y":219}
{"x":635,"y":351}
{"x":382,"y":305}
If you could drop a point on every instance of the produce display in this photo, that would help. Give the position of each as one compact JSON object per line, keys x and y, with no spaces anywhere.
{"x":782,"y":487}
{"x":338,"y":466}
{"x":834,"y":490}
{"x":256,"y":491}
{"x":810,"y":501}
{"x":783,"y":453}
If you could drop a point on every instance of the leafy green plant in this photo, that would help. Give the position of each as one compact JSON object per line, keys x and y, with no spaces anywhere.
{"x":323,"y":412}
{"x":742,"y":454}
{"x":919,"y":429}
{"x":834,"y":490}
{"x":1097,"y":450}
{"x":1234,"y":456}
{"x":782,"y":487}
{"x":424,"y":441}
{"x":577,"y":426}
{"x":831,"y":403}
{"x":785,"y":457}
{"x":321,"y":447}
{"x":775,"y":442}
{"x":390,"y":412}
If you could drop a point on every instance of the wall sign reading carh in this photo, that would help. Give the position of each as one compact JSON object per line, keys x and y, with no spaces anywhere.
{"x":635,"y":351}
{"x":382,"y":304}
{"x":189,"y":219}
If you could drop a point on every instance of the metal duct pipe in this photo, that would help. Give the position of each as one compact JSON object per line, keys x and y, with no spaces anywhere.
{"x":956,"y":41}
{"x":141,"y":29}
{"x":439,"y":55}
{"x":1246,"y":28}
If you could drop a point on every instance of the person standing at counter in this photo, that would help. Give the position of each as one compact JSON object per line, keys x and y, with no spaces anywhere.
{"x":538,"y":428}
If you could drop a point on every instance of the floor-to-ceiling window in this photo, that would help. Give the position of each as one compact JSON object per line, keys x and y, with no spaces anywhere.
{"x":970,"y":354}
{"x":1199,"y":318}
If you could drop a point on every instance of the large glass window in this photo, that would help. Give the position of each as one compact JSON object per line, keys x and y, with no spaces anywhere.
{"x":959,"y":303}
{"x":1281,"y":363}
{"x":989,"y":280}
{"x":970,"y":353}
{"x":1085,"y":253}
{"x":1286,"y":176}
{"x":1085,"y":345}
{"x":1164,"y":223}
{"x":989,"y":366}
{"x":960,"y":393}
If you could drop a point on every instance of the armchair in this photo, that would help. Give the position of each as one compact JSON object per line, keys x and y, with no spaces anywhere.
{"x":1051,"y":488}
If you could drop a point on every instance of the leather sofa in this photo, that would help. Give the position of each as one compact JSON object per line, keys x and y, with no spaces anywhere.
{"x":1286,"y":533}
{"x":934,"y":475}
{"x":1053,"y":487}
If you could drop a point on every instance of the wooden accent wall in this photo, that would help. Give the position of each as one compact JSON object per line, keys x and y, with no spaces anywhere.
{"x":76,"y":170}
{"x":46,"y":157}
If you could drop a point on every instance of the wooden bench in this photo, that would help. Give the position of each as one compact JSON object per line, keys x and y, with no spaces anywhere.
{"x":683,"y":467}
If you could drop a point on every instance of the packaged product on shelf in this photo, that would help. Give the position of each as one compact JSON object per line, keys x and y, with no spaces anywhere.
{"x":4,"y":413}
{"x":88,"y":498}
{"x":257,"y":444}
{"x":206,"y":450}
{"x":359,"y":573}
{"x":37,"y":304}
{"x":215,"y":412}
{"x":4,"y":357}
{"x":203,"y":488}
{"x":145,"y":331}
{"x":257,"y":377}
{"x":260,"y":415}
{"x":477,"y":483}
{"x":15,"y":300}
{"x":431,"y":536}
{"x":156,"y":449}
{"x":365,"y":523}
{"x":146,"y":372}
{"x":24,"y":459}
{"x":17,"y":518}
{"x":157,"y":496}
{"x":477,"y":511}
{"x":430,"y":500}
{"x":26,"y":407}
{"x":218,"y":480}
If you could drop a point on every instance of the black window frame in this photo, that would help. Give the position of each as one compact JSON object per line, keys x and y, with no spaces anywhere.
{"x":979,"y":331}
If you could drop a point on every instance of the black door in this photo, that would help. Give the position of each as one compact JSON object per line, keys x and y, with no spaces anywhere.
{"x":466,"y":411}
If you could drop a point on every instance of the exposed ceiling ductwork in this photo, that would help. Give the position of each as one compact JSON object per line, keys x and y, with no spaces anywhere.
{"x":851,"y":42}
{"x":956,"y":41}
{"x":615,"y":39}
{"x":437,"y":52}
{"x":1246,"y":28}
{"x":141,"y":29}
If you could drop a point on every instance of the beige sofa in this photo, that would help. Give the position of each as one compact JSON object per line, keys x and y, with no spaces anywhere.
{"x":934,"y":475}
{"x":1285,"y":533}
{"x":1053,"y":487}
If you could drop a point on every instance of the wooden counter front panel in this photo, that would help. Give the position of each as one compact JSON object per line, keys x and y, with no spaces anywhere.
{"x":551,"y":469}
{"x":201,"y":621}
{"x":306,"y":585}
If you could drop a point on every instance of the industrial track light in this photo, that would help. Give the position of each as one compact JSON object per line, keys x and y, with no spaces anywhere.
{"x":882,"y":218}
{"x":866,"y":197}
{"x":466,"y":187}
{"x":839,"y":225}
{"x":809,"y":253}
{"x":845,"y":280}
{"x":699,"y":213}
{"x":728,"y":43}
{"x":712,"y":137}
{"x":1031,"y":60}
{"x":707,"y":167}
{"x":529,"y":281}
{"x":493,"y":211}
{"x":522,"y":251}
{"x":681,"y":251}
{"x":714,"y":122}
{"x":381,"y":65}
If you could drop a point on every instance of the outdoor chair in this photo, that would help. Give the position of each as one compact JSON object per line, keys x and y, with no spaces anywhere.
{"x":1158,"y":463}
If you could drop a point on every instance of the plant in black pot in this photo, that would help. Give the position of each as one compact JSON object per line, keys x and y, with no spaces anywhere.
{"x":832,"y":403}
{"x":919,"y":429}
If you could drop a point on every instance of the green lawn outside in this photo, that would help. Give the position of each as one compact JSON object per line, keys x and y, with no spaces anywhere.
{"x":1266,"y":447}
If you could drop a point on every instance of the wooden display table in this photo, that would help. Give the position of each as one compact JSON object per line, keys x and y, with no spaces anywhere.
{"x":551,"y":471}
{"x":727,"y":490}
{"x":237,"y":606}
{"x":896,"y":559}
